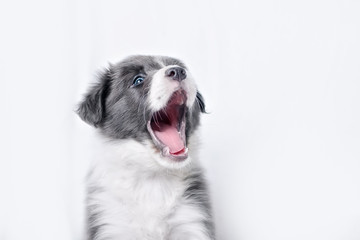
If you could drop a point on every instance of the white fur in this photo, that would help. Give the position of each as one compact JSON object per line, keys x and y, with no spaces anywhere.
{"x":139,"y":198}
{"x":163,"y":87}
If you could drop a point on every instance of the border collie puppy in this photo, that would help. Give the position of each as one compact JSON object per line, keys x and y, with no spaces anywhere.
{"x":146,"y":184}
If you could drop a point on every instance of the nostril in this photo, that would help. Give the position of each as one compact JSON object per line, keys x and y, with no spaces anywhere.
{"x":172,"y":73}
{"x":183,"y":73}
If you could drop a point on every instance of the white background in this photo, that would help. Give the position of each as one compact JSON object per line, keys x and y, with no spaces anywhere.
{"x":281,"y":79}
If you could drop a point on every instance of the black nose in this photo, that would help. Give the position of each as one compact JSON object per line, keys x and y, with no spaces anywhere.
{"x":176,"y":73}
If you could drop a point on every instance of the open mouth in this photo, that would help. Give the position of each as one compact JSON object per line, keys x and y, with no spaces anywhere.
{"x":167,"y":128}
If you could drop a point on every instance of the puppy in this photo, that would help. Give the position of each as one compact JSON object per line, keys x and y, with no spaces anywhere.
{"x":147,"y":183}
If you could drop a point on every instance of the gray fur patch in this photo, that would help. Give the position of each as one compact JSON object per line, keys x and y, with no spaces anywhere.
{"x":197,"y":193}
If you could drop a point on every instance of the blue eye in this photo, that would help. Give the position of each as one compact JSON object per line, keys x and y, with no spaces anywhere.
{"x":138,"y":80}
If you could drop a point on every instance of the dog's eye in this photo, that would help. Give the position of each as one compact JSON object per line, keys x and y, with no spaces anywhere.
{"x":138,"y":80}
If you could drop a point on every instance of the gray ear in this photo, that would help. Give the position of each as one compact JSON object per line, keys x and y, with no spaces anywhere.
{"x":92,"y":108}
{"x":201,"y":102}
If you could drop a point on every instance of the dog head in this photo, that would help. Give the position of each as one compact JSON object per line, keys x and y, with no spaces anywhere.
{"x":146,"y":98}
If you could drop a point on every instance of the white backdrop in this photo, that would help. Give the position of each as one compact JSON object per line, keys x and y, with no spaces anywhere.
{"x":281,"y":79}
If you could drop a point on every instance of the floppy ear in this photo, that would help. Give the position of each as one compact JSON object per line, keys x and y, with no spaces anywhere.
{"x":92,"y":108}
{"x":201,"y":102}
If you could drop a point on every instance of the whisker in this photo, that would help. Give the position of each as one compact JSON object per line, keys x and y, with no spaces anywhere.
{"x":156,"y":119}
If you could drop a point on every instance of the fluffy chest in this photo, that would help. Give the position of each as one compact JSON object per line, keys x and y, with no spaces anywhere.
{"x":148,"y":197}
{"x":134,"y":199}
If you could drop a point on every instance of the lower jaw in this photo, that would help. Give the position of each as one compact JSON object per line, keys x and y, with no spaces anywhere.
{"x":179,"y":156}
{"x":171,"y":163}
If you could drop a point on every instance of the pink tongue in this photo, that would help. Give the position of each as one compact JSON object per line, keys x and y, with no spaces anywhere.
{"x":170,"y":137}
